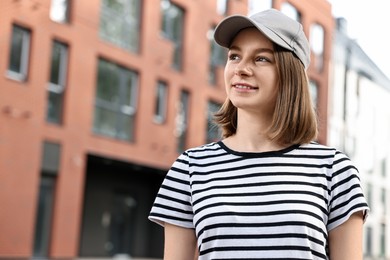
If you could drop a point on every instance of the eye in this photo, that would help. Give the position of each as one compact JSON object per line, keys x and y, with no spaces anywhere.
{"x":233,"y":56}
{"x":262,"y":59}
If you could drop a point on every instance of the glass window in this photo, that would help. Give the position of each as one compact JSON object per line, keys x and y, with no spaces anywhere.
{"x":50,"y":158}
{"x":182,"y":120}
{"x":384,"y":167}
{"x":60,"y":11}
{"x":368,"y":239}
{"x":19,"y":54}
{"x":44,"y":216}
{"x":56,"y":88}
{"x":213,"y":131}
{"x":120,"y":23}
{"x":222,"y":7}
{"x":161,"y":102}
{"x":382,"y":251}
{"x":289,"y":10}
{"x":369,"y":193}
{"x":172,"y":29}
{"x":314,"y":93}
{"x":217,"y":57}
{"x":317,"y":37}
{"x":49,"y":173}
{"x":115,"y":101}
{"x":255,"y":6}
{"x":383,"y":199}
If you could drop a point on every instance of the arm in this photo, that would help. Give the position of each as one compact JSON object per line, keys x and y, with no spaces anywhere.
{"x":345,"y":241}
{"x":180,"y":243}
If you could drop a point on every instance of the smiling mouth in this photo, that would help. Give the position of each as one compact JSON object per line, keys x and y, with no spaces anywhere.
{"x":238,"y":86}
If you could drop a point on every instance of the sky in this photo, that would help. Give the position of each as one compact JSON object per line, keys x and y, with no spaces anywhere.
{"x":368,"y":22}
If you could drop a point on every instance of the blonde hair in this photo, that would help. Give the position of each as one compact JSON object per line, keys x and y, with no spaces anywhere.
{"x":294,"y":119}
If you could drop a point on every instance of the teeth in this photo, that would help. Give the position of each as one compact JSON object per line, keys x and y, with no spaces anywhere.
{"x":242,"y":87}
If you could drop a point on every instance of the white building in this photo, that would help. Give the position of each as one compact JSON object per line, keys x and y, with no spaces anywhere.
{"x":359,"y":125}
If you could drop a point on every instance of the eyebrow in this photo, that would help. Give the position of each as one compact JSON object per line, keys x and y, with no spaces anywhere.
{"x":233,"y":47}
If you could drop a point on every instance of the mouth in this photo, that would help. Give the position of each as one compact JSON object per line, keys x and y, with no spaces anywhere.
{"x":244,"y":87}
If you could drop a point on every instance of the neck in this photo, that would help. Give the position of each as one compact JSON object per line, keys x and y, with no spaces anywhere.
{"x":252,"y":135}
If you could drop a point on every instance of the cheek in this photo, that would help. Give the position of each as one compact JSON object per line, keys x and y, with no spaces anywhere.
{"x":226,"y":79}
{"x":275,"y":93}
{"x":228,"y":74}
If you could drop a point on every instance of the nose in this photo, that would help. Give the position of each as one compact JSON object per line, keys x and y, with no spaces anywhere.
{"x":242,"y":69}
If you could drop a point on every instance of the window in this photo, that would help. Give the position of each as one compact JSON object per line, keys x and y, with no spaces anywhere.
{"x":255,"y":6}
{"x":182,"y":120}
{"x":289,"y":10}
{"x":120,"y":23}
{"x":213,"y":131}
{"x":314,"y":92}
{"x":56,"y":88}
{"x":172,"y":29}
{"x":19,"y":54}
{"x":115,"y":102}
{"x":369,"y":194}
{"x":368,"y":240}
{"x":60,"y":11}
{"x":382,"y":251}
{"x":317,"y":37}
{"x":384,"y":167}
{"x":222,"y":7}
{"x":161,"y":102}
{"x":49,"y":172}
{"x":217,"y":58}
{"x":383,"y":199}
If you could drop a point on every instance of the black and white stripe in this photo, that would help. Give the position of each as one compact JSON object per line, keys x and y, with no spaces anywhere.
{"x":272,"y":205}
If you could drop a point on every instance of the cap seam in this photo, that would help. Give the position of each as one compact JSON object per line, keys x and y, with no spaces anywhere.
{"x":293,"y":40}
{"x":277,"y":36}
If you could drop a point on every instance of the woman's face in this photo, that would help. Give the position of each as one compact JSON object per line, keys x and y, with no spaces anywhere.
{"x":250,"y":73}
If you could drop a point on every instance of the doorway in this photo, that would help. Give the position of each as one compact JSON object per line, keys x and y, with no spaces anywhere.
{"x":117,"y":201}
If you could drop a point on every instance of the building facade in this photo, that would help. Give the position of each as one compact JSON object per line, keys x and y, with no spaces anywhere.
{"x":98,"y":98}
{"x":359,"y":124}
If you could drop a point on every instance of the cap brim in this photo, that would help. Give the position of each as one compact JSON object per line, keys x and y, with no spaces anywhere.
{"x":228,"y":28}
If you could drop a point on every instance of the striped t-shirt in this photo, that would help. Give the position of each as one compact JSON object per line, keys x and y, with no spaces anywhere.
{"x":270,"y":205}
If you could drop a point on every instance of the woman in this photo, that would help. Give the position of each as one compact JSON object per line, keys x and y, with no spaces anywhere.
{"x":266,"y":191}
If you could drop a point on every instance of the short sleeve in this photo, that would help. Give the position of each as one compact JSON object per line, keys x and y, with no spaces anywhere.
{"x":346,"y":193}
{"x":173,"y":201}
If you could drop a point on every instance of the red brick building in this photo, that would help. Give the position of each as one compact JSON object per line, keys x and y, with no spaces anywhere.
{"x":97,"y":99}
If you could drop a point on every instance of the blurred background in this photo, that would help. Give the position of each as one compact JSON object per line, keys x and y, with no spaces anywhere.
{"x":99,"y":97}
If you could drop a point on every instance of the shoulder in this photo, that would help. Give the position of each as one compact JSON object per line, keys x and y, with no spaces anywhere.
{"x":336,"y":159}
{"x":340,"y":164}
{"x":203,"y":154}
{"x":203,"y":150}
{"x":317,"y":150}
{"x":315,"y":147}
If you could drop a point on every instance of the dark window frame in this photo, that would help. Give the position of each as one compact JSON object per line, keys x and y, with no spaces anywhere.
{"x":120,"y":25}
{"x":50,"y":165}
{"x":121,"y":104}
{"x":57,"y":81}
{"x":161,"y":102}
{"x":173,"y":30}
{"x":19,"y":58}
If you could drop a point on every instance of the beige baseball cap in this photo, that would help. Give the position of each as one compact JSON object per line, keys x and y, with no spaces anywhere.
{"x":278,"y":27}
